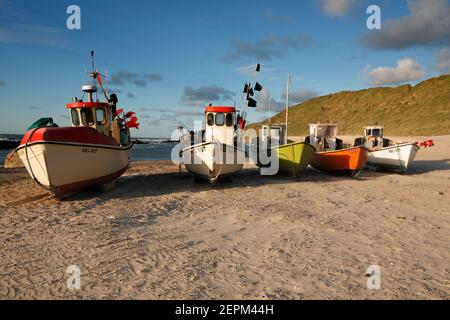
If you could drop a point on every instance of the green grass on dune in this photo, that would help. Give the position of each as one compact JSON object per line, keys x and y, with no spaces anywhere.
{"x":404,"y":111}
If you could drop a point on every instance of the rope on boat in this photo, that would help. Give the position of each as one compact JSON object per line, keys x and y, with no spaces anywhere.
{"x":28,"y":159}
{"x":213,"y":180}
{"x":402,"y":167}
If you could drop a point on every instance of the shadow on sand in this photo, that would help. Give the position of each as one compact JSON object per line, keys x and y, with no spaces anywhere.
{"x":424,"y":166}
{"x":145,"y":185}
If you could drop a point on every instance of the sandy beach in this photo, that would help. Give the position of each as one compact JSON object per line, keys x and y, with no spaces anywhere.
{"x":157,"y":234}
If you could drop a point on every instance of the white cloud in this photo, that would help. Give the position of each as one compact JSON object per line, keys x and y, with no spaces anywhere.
{"x":31,"y":34}
{"x":204,"y":95}
{"x":300,"y":95}
{"x":427,"y":24}
{"x":336,"y":7}
{"x":295,"y":97}
{"x":406,"y":70}
{"x":268,"y":48}
{"x":263,"y":103}
{"x":16,"y":26}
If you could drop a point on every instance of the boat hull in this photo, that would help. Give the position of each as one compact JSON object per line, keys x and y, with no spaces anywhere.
{"x":346,"y":161}
{"x":201,"y":161}
{"x":293,"y":158}
{"x":397,"y":157}
{"x":64,"y":168}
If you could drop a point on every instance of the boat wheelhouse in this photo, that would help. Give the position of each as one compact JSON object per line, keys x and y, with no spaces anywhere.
{"x":331,"y":156}
{"x":274,"y":132}
{"x":384,"y":153}
{"x":323,"y":137}
{"x":293,"y":157}
{"x":373,"y":138}
{"x":216,"y":152}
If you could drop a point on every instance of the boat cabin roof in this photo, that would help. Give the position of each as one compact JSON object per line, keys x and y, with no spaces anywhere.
{"x":373,"y":127}
{"x":323,"y":130}
{"x":323,"y":125}
{"x":219,"y":109}
{"x":86,"y":105}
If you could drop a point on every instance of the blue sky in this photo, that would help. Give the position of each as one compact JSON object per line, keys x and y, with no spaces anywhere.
{"x":167,"y":59}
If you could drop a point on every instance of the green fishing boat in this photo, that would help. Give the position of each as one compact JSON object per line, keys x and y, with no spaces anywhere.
{"x":293,"y":157}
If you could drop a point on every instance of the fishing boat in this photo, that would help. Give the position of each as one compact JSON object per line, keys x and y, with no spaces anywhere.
{"x":293,"y":157}
{"x":92,"y":152}
{"x":218,"y":151}
{"x":331,"y":156}
{"x":384,"y":153}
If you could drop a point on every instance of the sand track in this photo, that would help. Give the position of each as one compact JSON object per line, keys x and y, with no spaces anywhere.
{"x":156,"y":234}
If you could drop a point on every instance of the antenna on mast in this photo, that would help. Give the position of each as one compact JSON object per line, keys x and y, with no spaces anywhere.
{"x":106,"y":82}
{"x":371,"y":114}
{"x":92,"y":60}
{"x":270,"y":117}
{"x":287,"y":105}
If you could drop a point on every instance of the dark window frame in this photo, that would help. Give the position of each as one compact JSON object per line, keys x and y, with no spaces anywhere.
{"x":103,"y":122}
{"x":84,"y":119}
{"x":210,"y":119}
{"x":78,"y":121}
{"x":229,"y":119}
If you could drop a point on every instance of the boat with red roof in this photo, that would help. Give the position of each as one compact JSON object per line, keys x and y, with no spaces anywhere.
{"x":218,"y":152}
{"x":92,"y":152}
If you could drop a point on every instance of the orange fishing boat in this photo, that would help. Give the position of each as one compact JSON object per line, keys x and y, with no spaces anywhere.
{"x":331,"y":156}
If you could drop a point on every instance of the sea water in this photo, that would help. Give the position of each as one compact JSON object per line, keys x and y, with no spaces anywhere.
{"x":153,"y":149}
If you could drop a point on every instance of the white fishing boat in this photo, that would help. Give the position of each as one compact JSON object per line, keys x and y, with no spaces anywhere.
{"x":293,"y":157}
{"x":92,"y":152}
{"x":384,"y":153}
{"x":219,"y":153}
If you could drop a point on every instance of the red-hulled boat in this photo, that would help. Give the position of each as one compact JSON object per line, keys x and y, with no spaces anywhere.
{"x":93,"y":152}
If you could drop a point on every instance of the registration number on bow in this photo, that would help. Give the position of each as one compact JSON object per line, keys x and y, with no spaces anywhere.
{"x":88,"y":150}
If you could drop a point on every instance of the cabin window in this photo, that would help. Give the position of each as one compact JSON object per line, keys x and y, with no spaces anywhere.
{"x":220,"y":119}
{"x":229,"y":119}
{"x":376,"y":132}
{"x":100,"y":116}
{"x":210,"y":119}
{"x":87,"y":117}
{"x":75,"y":117}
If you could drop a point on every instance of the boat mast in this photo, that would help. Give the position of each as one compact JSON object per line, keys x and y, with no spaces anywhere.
{"x":371,"y":114}
{"x":287,"y":106}
{"x":106,"y":80}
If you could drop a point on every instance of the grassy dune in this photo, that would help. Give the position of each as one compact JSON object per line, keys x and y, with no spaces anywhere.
{"x":404,"y":111}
